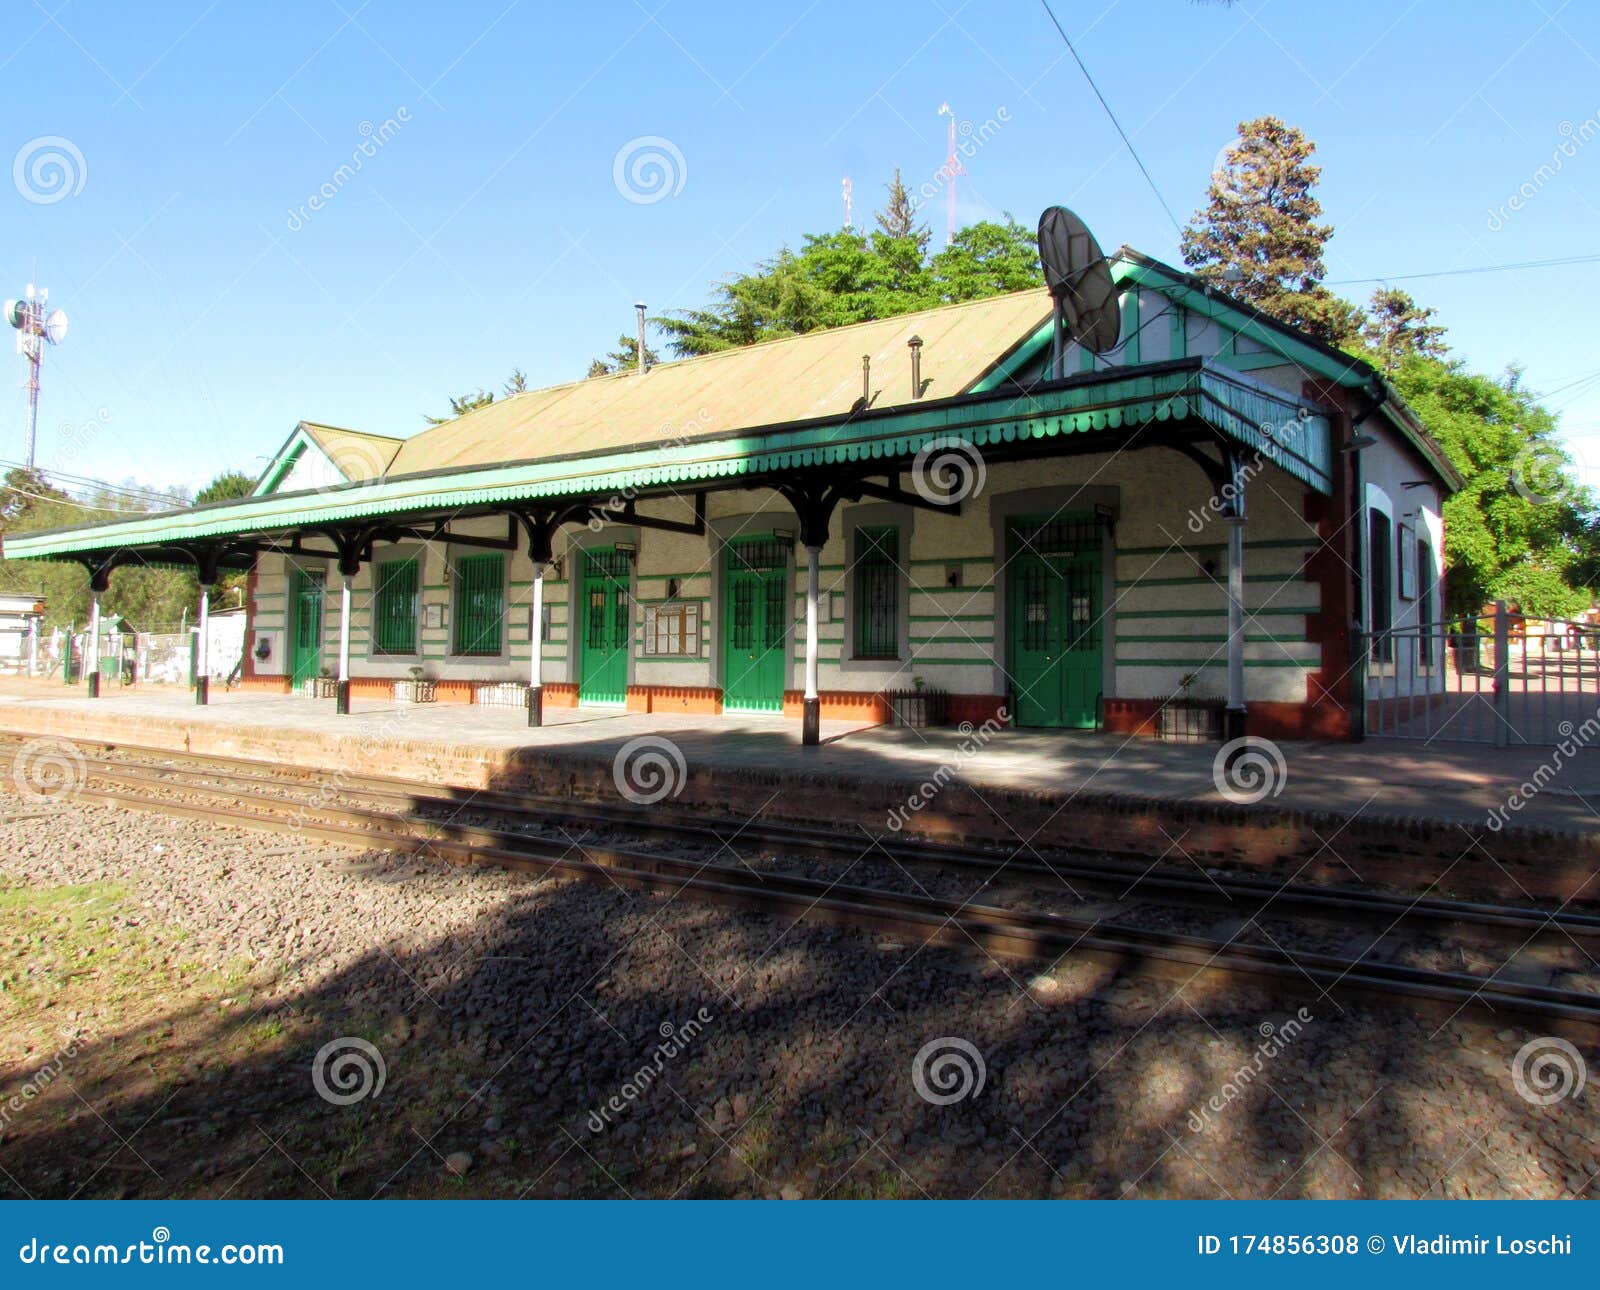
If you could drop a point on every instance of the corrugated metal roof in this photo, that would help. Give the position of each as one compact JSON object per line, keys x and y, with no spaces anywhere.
{"x":797,"y":378}
{"x":1106,"y":400}
{"x":355,"y":454}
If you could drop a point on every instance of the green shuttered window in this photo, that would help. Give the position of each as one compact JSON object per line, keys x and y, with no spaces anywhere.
{"x":480,"y":604}
{"x":396,"y":607}
{"x":877,"y":579}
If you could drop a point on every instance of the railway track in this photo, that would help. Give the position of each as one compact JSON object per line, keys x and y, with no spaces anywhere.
{"x":376,"y":811}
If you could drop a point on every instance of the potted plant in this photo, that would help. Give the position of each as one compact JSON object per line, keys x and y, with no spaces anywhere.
{"x":1187,"y":719}
{"x":419,"y":689}
{"x":918,"y":707}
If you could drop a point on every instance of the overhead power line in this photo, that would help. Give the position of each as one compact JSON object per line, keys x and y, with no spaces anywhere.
{"x":1127,"y":142}
{"x":1456,"y":273}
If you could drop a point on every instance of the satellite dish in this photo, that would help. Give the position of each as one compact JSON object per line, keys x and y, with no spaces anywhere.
{"x":1079,"y":280}
{"x":15,"y":312}
{"x":55,"y":326}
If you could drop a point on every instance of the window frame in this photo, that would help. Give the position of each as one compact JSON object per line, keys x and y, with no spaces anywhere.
{"x":458,"y":617}
{"x":877,"y":553}
{"x":377,"y":616}
{"x":871,"y":515}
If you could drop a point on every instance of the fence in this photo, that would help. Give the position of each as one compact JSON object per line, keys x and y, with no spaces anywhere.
{"x":1501,"y":679}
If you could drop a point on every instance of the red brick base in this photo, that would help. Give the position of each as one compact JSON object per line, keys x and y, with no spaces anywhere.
{"x":1324,"y":720}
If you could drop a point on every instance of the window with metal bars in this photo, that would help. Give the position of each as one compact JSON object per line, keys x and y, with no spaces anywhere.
{"x":1055,"y":537}
{"x":1380,"y":563}
{"x":480,"y":604}
{"x":395,"y":607}
{"x":758,"y":554}
{"x":877,"y":593}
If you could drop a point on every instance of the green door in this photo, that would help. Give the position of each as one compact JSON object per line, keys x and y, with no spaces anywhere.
{"x":307,"y":659}
{"x":755,"y":618}
{"x":1054,"y":604}
{"x":607,"y":618}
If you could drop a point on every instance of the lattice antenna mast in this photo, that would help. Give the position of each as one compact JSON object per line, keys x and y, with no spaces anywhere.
{"x":847,"y":187}
{"x":36,"y":325}
{"x":952,"y":168}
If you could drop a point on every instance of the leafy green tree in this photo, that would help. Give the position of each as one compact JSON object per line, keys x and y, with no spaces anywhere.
{"x":1258,"y":239}
{"x":1521,"y":529}
{"x":516,"y":383}
{"x":226,"y":487}
{"x":1398,"y":326}
{"x":987,"y":259}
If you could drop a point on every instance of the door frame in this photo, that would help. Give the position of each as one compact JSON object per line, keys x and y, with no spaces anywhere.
{"x":297,"y":573}
{"x":579,"y":543}
{"x":719,"y":533}
{"x":785,"y":573}
{"x":1060,"y":498}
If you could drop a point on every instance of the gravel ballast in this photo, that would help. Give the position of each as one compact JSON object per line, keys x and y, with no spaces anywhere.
{"x":549,"y":1037}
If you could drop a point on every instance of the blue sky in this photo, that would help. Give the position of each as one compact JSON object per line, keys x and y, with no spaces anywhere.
{"x":212,"y":308}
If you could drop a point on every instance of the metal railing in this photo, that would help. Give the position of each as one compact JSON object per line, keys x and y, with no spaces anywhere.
{"x":1499,"y":679}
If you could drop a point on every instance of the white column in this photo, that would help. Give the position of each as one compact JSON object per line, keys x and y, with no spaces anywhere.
{"x":33,"y":647}
{"x":344,"y":626}
{"x":813,"y":557}
{"x":91,"y":650}
{"x":202,"y":667}
{"x":1235,"y":525}
{"x":536,"y":629}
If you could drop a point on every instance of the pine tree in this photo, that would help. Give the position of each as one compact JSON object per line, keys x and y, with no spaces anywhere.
{"x":460,"y":405}
{"x":516,"y":383}
{"x":898,"y":218}
{"x":1397,"y":326}
{"x":624,"y":358}
{"x":1258,"y":238}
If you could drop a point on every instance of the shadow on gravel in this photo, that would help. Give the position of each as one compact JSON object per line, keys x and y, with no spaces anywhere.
{"x":594,"y":1042}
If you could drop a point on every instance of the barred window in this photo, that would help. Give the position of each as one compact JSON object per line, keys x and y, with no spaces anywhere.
{"x":395,"y":607}
{"x":480,"y":604}
{"x":877,"y":593}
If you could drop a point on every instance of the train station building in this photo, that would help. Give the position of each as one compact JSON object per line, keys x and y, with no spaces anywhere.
{"x":906,"y":513}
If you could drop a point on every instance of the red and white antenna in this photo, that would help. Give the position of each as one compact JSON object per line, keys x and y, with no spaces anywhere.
{"x":35,"y":327}
{"x":952,"y":168}
{"x":847,"y":187}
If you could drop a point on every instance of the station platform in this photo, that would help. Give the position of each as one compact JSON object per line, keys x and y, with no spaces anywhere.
{"x":1397,"y":813}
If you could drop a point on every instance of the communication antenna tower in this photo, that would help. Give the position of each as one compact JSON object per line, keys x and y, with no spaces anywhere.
{"x":36,"y":326}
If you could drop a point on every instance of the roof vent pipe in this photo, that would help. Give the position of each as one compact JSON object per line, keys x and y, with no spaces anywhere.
{"x":915,"y":346}
{"x":866,"y":379}
{"x":638,"y":308}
